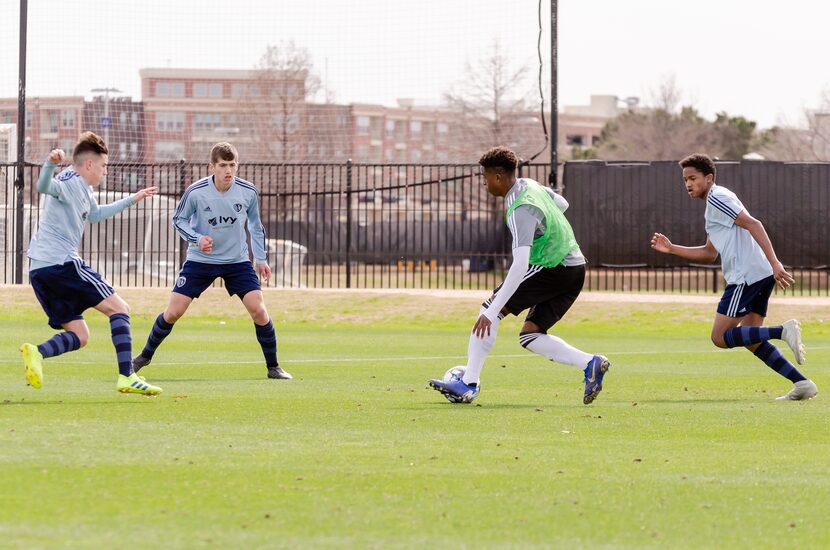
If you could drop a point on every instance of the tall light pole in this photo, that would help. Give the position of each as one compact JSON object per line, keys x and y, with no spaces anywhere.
{"x":106,"y":121}
{"x":554,"y":96}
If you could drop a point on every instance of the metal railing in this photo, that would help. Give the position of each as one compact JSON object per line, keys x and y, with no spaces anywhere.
{"x":394,"y":226}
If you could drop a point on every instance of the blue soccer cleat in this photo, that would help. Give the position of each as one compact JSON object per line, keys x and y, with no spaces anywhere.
{"x":455,"y":390}
{"x":594,"y":372}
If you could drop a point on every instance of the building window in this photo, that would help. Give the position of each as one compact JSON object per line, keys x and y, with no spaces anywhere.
{"x":134,"y":150}
{"x":122,"y":119}
{"x":49,"y":121}
{"x":363,"y":123}
{"x":203,"y":122}
{"x":134,"y":119}
{"x":574,"y":139}
{"x":415,"y":155}
{"x":169,"y":122}
{"x":169,"y":150}
{"x":68,"y":118}
{"x":415,"y":128}
{"x":30,"y":119}
{"x":169,"y":89}
{"x":122,"y":150}
{"x":7,"y":117}
{"x":390,"y":128}
{"x":200,"y":89}
{"x":289,"y":124}
{"x":238,"y":90}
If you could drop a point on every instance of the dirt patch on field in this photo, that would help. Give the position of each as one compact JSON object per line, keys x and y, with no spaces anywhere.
{"x":418,"y":306}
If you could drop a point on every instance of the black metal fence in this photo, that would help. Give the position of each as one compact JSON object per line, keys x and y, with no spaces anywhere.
{"x":434,"y":226}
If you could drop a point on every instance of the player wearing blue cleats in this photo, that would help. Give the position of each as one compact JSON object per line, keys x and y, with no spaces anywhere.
{"x":545,"y":278}
{"x":455,"y":390}
{"x":594,"y":372}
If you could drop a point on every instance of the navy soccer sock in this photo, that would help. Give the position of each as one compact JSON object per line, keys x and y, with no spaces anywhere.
{"x":745,"y":336}
{"x":60,"y":343}
{"x":775,"y":360}
{"x":123,"y":342}
{"x":267,"y":338}
{"x":161,"y":329}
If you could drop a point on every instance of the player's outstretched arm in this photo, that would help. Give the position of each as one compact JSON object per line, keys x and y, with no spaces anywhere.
{"x":144,"y":193}
{"x":698,"y":254}
{"x":45,"y":183}
{"x":756,"y":229}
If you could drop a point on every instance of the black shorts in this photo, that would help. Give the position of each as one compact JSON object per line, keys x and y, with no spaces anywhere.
{"x":738,"y":300}
{"x":66,"y":291}
{"x":549,"y":292}
{"x":195,"y":277}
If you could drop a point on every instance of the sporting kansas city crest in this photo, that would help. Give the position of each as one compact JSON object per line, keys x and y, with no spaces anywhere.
{"x":237,"y":207}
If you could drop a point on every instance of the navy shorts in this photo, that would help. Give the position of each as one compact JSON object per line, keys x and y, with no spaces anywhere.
{"x":195,"y":277}
{"x":549,"y":292}
{"x":738,"y":300}
{"x":66,"y":291}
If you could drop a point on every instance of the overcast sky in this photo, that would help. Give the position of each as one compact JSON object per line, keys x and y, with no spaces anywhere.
{"x":758,"y":58}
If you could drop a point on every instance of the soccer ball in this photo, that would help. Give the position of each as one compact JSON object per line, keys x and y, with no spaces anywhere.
{"x":455,"y":373}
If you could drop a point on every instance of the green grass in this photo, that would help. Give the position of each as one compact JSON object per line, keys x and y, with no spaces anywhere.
{"x":685,"y":448}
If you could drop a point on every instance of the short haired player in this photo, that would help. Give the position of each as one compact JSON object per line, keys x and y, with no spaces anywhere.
{"x":546,"y":276}
{"x":64,"y":284}
{"x":751,"y":270}
{"x":211,"y":217}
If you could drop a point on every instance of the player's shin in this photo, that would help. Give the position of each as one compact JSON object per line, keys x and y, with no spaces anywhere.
{"x":554,"y":348}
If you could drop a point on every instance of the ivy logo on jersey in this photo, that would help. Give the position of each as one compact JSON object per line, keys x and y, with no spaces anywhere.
{"x":180,"y":282}
{"x":84,"y":215}
{"x":237,"y":207}
{"x":207,"y":209}
{"x":212,"y":221}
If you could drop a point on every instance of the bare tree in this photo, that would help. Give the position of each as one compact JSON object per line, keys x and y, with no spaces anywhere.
{"x":809,"y":143}
{"x":663,"y":132}
{"x":489,"y":103}
{"x":274,"y":104}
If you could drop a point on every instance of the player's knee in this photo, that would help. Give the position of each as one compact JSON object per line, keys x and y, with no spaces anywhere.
{"x":171,"y":316}
{"x":718,"y":340}
{"x":526,"y":338}
{"x":260,"y":316}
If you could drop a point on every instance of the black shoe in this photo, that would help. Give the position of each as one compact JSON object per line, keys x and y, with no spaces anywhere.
{"x":278,"y":373}
{"x":139,"y":361}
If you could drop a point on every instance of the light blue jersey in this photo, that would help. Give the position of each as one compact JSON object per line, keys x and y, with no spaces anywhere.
{"x":742,"y":259}
{"x":68,"y":205}
{"x":204,"y":210}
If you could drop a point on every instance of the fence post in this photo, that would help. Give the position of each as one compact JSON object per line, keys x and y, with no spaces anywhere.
{"x":182,"y":184}
{"x":21,"y":141}
{"x":348,"y":223}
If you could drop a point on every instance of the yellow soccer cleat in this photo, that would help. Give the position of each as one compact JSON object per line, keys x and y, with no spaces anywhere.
{"x":134,"y":384}
{"x":33,"y":361}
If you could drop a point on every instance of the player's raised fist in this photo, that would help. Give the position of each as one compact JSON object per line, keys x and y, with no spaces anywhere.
{"x":57,"y":156}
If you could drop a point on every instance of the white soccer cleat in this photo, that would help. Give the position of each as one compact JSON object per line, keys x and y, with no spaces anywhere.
{"x":802,"y":390}
{"x":792,"y":335}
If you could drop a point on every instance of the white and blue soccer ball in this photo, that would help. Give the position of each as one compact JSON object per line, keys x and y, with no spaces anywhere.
{"x":454,"y":373}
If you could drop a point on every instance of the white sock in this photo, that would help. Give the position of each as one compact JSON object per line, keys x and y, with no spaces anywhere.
{"x":555,"y":349}
{"x":477,"y":352}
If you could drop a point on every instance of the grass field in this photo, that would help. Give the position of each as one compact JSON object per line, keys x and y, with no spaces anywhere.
{"x":685,"y":448}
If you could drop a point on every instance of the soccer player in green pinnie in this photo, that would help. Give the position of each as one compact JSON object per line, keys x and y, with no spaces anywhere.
{"x":751,"y":270}
{"x":546,"y":276}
